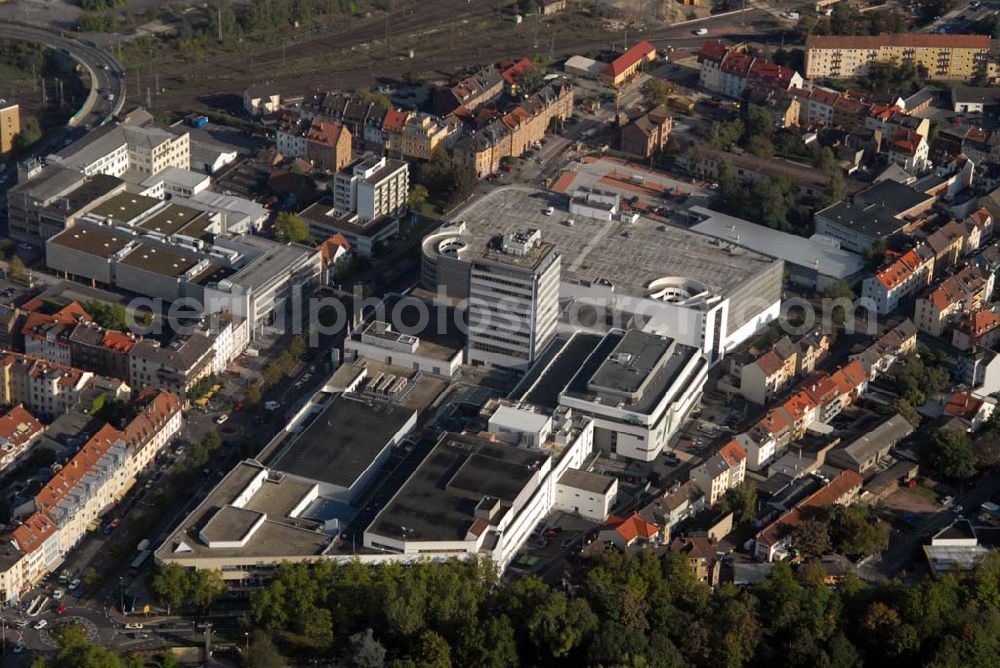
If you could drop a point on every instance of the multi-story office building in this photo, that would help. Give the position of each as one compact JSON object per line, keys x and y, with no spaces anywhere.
{"x":955,"y":57}
{"x":372,"y":187}
{"x":10,"y":125}
{"x":513,"y":300}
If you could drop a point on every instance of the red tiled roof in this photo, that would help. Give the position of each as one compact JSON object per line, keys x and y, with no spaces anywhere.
{"x":770,"y":363}
{"x":632,"y":527}
{"x":822,"y":388}
{"x":76,"y":468}
{"x":36,"y":529}
{"x":712,"y":50}
{"x":825,"y":496}
{"x":775,"y":422}
{"x":395,"y":119}
{"x":979,"y":323}
{"x":900,"y":39}
{"x":117,"y":341}
{"x":850,"y":377}
{"x":899,"y":271}
{"x":963,"y":405}
{"x":18,"y":426}
{"x":798,"y":405}
{"x":511,"y":74}
{"x":326,"y":132}
{"x":637,"y":53}
{"x":733,"y":453}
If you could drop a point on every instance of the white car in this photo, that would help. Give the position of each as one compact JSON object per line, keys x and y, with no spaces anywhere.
{"x":272,"y":405}
{"x":74,"y":584}
{"x":40,"y":624}
{"x":701,"y":31}
{"x":57,"y":594}
{"x":549,"y":211}
{"x":221,"y":419}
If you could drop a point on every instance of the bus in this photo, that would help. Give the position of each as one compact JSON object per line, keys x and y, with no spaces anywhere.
{"x":139,"y":560}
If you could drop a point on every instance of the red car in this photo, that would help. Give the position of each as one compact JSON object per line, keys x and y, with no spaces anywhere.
{"x":61,"y":610}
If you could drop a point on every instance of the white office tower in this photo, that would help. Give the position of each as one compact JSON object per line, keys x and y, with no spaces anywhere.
{"x":513,"y":300}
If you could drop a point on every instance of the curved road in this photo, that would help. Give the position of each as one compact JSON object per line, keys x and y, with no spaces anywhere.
{"x":106,"y":74}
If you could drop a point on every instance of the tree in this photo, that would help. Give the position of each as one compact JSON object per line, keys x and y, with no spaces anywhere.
{"x":16,"y":269}
{"x":909,"y":413}
{"x":108,"y":316}
{"x":253,"y":393}
{"x":656,"y":92}
{"x":206,"y":588}
{"x":88,"y":578}
{"x":835,"y":189}
{"x":212,"y":440}
{"x":758,"y":122}
{"x":529,"y":80}
{"x":417,"y":197}
{"x":263,"y":653}
{"x":811,"y":538}
{"x":722,"y":135}
{"x":825,"y":160}
{"x":30,"y":133}
{"x":838,"y":293}
{"x":364,"y":651}
{"x":434,"y":651}
{"x":741,"y":501}
{"x":856,"y":533}
{"x":171,"y":585}
{"x":290,"y":228}
{"x":75,"y":651}
{"x":949,"y":452}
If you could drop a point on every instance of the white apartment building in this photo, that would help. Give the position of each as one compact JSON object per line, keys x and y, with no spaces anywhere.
{"x":372,"y":187}
{"x":513,"y":300}
{"x":114,"y":149}
{"x":721,"y":472}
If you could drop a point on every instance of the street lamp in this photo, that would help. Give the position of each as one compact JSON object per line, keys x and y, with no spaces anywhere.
{"x":121,"y":595}
{"x":246,"y":636}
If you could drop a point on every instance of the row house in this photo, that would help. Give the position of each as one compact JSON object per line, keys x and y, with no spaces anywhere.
{"x":360,"y":117}
{"x":721,"y":472}
{"x":898,"y":342}
{"x":471,"y":92}
{"x":821,"y":398}
{"x":823,"y":106}
{"x":512,"y":73}
{"x":419,"y":136}
{"x":326,"y":143}
{"x":972,"y":411}
{"x":907,"y":274}
{"x":19,"y":430}
{"x":45,"y":329}
{"x":45,"y":388}
{"x":977,"y":329}
{"x":730,"y":71}
{"x":948,"y":244}
{"x":774,"y":542}
{"x":27,"y":553}
{"x":97,"y":476}
{"x":513,"y":133}
{"x":967,"y":290}
{"x":771,"y":372}
{"x":909,"y":150}
{"x":175,"y":367}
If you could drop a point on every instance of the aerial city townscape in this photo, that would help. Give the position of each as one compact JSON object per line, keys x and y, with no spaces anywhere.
{"x":499,"y":332}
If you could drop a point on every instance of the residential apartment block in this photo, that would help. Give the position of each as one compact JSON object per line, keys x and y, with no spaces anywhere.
{"x":903,"y":276}
{"x":325,"y":143}
{"x":372,"y":187}
{"x":70,"y":503}
{"x":647,"y":134}
{"x":513,"y":133}
{"x":721,"y":472}
{"x":945,"y":57}
{"x":731,"y":70}
{"x":967,"y":290}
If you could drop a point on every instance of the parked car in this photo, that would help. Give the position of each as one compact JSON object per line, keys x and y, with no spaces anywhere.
{"x":18,"y":648}
{"x":74,"y":584}
{"x":40,"y":624}
{"x":58,"y":594}
{"x":221,"y":419}
{"x":272,"y":405}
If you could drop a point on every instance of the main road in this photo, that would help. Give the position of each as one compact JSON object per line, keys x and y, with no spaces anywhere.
{"x":107,"y":78}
